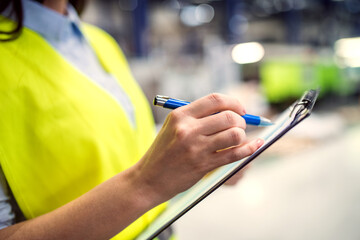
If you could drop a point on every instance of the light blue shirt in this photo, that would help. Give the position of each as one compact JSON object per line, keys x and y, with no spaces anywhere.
{"x":64,"y":34}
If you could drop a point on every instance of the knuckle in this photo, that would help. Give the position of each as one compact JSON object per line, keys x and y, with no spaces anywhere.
{"x":230,"y":118}
{"x":175,"y":116}
{"x":234,"y":120}
{"x":181,"y":132}
{"x":189,"y":149}
{"x":236,"y":135}
{"x":217,"y":99}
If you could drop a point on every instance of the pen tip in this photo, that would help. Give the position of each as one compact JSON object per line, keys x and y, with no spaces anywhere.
{"x":266,"y":122}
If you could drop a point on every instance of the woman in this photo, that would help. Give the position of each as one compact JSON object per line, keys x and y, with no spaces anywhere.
{"x":76,"y":133}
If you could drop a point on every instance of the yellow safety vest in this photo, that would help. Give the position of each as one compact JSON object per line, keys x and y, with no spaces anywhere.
{"x":61,"y":134}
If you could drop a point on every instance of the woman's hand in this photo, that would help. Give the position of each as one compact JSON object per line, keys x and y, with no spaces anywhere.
{"x":193,"y":142}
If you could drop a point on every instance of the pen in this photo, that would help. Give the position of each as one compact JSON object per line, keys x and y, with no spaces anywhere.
{"x":172,"y":103}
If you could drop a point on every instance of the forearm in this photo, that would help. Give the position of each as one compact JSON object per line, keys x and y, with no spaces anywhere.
{"x":99,"y":214}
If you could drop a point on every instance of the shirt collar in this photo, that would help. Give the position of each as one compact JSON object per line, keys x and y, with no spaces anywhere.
{"x":50,"y":24}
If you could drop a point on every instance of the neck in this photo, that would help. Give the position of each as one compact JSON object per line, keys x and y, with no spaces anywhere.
{"x":56,"y":5}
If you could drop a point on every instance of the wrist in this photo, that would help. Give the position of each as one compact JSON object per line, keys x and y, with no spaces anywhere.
{"x":145,"y":192}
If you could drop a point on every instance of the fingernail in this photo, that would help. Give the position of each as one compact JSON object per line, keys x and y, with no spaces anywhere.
{"x":259,"y":142}
{"x":243,"y":111}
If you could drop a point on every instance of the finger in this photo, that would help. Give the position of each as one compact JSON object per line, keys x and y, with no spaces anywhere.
{"x":229,"y":138}
{"x":236,"y":153}
{"x":218,"y":122}
{"x":214,"y":103}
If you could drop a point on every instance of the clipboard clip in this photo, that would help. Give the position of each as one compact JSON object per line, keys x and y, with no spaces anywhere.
{"x":304,"y":106}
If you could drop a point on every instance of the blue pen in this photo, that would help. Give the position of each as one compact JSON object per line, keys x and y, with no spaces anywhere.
{"x":173,"y":103}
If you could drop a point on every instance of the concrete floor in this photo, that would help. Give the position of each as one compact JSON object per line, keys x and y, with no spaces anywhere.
{"x":310,"y":193}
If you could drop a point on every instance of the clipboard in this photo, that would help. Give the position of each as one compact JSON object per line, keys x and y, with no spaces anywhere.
{"x":185,"y":201}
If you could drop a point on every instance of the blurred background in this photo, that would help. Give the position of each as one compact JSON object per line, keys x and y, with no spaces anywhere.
{"x":266,"y":53}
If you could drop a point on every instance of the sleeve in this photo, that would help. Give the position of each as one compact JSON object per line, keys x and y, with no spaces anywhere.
{"x":7,"y":215}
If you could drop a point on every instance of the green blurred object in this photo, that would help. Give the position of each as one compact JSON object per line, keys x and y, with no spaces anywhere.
{"x":287,"y":79}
